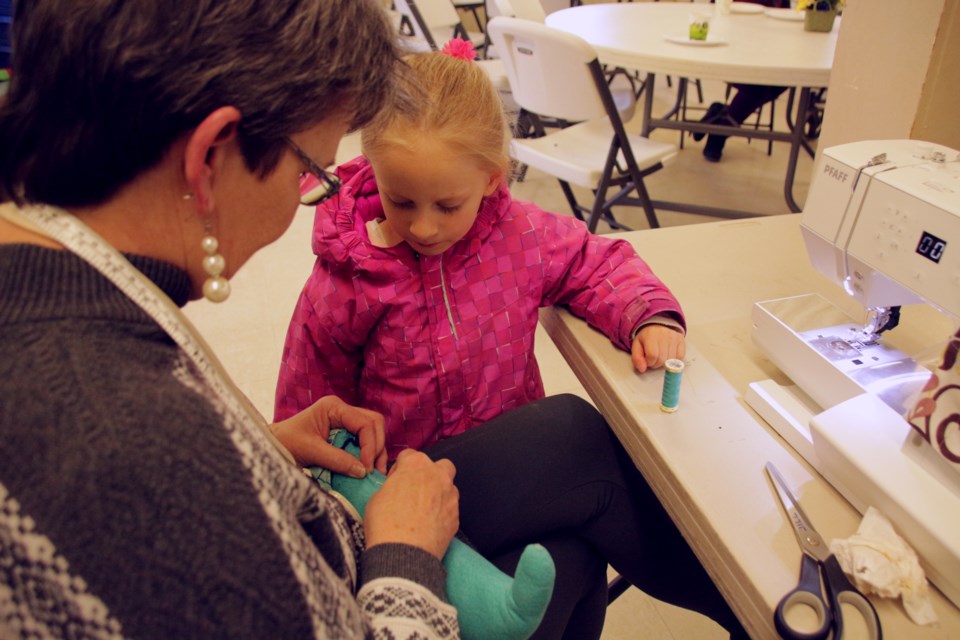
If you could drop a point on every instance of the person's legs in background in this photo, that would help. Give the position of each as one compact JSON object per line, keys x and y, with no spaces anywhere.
{"x":555,"y":466}
{"x":749,"y":98}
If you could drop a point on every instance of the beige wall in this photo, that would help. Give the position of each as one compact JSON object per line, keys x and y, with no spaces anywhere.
{"x":896,"y":73}
{"x":938,"y":114}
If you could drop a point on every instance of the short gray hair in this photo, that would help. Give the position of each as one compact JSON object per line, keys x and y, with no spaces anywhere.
{"x":101,"y":88}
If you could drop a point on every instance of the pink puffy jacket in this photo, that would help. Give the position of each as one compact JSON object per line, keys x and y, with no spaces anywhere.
{"x":440,"y":344}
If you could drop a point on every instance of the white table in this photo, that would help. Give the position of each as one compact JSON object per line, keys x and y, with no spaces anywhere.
{"x":758,"y":50}
{"x":706,"y":460}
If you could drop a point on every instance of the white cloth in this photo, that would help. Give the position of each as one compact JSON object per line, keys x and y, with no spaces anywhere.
{"x":879,"y":561}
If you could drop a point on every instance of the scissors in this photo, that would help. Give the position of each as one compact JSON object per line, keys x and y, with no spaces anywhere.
{"x":817,"y":561}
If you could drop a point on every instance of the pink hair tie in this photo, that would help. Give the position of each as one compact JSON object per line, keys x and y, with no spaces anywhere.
{"x":459,"y":48}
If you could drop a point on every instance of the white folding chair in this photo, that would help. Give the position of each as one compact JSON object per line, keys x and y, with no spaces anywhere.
{"x":557,"y":75}
{"x":434,"y":23}
{"x":625,"y":97}
{"x":472,"y":7}
{"x":523,"y":9}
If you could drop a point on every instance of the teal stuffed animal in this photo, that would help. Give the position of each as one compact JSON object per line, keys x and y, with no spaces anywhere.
{"x":490,"y":604}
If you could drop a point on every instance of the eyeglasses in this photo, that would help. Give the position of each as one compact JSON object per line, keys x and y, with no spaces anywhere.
{"x":329,"y":182}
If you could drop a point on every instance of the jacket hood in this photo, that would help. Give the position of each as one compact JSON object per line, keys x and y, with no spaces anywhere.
{"x":339,"y":227}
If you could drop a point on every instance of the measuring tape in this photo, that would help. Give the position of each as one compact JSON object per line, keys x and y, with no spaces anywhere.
{"x":85,"y":243}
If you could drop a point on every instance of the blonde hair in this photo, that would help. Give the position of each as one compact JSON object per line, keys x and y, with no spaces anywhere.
{"x":459,"y":105}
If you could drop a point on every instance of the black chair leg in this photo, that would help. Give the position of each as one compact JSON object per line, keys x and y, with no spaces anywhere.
{"x":572,"y":200}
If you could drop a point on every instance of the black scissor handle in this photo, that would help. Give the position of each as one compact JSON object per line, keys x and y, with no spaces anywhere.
{"x":841,"y":591}
{"x":807,"y":592}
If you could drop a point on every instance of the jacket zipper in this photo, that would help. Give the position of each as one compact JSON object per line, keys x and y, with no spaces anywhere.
{"x":446,"y":300}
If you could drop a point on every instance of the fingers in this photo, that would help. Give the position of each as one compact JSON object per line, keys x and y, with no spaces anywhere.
{"x":373,"y":452}
{"x":367,"y":425}
{"x":639,"y":356}
{"x":443,"y":464}
{"x":654,"y":345}
{"x":447,"y":466}
{"x":417,"y":505}
{"x":642,"y":353}
{"x":337,"y":460}
{"x":681,"y":350}
{"x":305,"y":436}
{"x":309,"y":447}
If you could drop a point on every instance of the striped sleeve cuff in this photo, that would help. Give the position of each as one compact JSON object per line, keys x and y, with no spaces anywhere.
{"x":404,"y":561}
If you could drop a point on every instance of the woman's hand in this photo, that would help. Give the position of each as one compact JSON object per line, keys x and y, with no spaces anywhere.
{"x":654,"y":344}
{"x":417,"y":505}
{"x":305,"y":436}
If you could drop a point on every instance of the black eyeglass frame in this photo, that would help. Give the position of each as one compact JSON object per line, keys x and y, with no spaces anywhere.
{"x":329,"y":182}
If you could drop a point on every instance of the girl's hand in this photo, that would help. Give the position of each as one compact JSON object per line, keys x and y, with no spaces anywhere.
{"x":654,"y":344}
{"x":305,"y":436}
{"x":417,"y":505}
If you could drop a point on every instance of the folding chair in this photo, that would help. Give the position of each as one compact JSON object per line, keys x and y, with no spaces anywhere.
{"x":557,"y":75}
{"x":434,"y":23}
{"x":523,"y":9}
{"x":625,"y":97}
{"x":473,"y":7}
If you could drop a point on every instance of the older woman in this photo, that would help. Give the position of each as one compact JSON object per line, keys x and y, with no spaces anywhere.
{"x":147,"y":149}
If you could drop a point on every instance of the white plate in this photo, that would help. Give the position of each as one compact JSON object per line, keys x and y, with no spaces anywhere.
{"x":709,"y":42}
{"x":745,"y":7}
{"x":784,"y":14}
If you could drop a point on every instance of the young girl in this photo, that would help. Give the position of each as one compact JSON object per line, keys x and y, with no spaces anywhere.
{"x":423,"y":306}
{"x":424,"y":300}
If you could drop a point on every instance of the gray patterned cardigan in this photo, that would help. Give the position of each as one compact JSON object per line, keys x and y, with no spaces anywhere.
{"x":132,"y":504}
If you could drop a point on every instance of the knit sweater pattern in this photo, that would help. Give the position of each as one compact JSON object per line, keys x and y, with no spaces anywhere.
{"x":134,"y":503}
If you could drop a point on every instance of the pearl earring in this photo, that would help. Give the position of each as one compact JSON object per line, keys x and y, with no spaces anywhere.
{"x":216,"y":288}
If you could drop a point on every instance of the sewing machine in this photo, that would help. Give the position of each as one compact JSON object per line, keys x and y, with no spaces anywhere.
{"x":882,"y":220}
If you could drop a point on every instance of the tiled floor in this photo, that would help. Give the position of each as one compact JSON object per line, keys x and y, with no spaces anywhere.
{"x":248,"y":332}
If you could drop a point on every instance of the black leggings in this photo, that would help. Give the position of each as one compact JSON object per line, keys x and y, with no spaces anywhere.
{"x":749,"y":98}
{"x":552,"y":472}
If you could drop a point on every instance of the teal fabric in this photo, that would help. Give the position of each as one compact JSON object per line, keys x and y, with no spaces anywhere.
{"x":490,"y":604}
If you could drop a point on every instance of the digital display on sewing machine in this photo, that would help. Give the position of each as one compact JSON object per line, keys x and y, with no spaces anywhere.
{"x":931,"y":247}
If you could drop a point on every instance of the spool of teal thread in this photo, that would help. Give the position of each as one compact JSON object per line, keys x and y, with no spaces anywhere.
{"x":673,"y":371}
